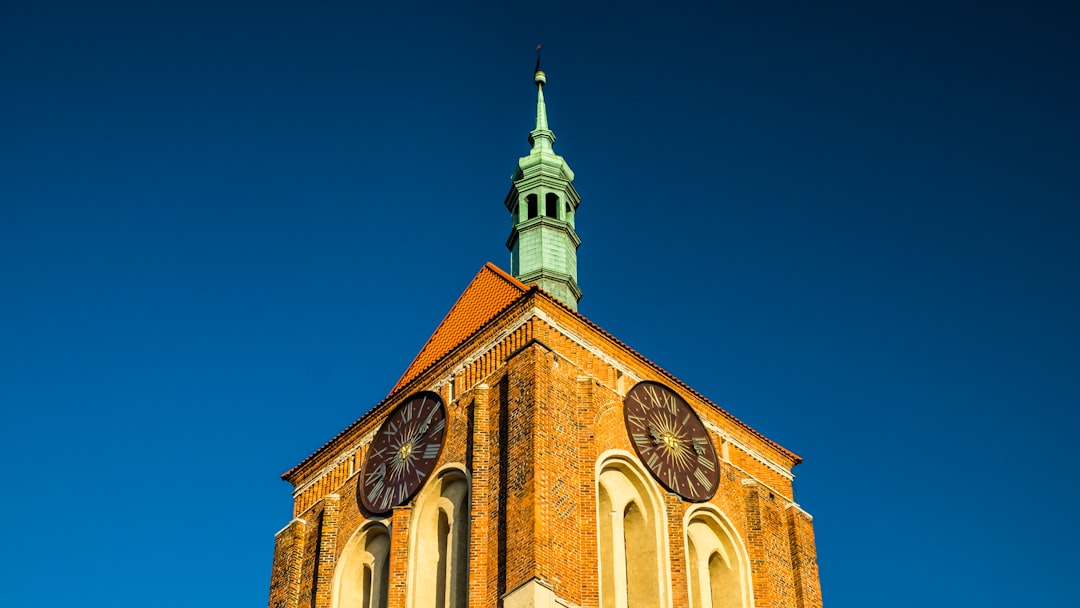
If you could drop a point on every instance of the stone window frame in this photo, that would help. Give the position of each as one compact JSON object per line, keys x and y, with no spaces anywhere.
{"x":359,"y":563}
{"x":444,"y":500}
{"x":706,"y":530}
{"x":624,"y":480}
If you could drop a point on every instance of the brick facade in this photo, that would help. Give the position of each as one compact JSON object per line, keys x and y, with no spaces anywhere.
{"x":534,"y":397}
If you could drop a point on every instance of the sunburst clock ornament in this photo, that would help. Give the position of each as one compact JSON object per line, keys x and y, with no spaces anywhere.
{"x":403,"y":453}
{"x":669,"y":438}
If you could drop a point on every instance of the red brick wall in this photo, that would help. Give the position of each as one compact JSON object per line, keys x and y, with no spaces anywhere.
{"x":288,"y":556}
{"x":531,"y":416}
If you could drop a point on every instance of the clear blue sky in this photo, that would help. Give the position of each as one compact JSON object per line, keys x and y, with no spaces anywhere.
{"x":225,"y":230}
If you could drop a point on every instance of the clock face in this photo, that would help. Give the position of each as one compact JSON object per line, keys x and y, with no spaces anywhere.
{"x":670,"y":439}
{"x":403,"y":452}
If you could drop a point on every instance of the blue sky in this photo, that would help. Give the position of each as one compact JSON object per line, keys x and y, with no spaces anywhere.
{"x":226,"y":228}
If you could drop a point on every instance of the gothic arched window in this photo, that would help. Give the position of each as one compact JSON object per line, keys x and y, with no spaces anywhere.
{"x":716,"y":562}
{"x":362,"y":574}
{"x":633,"y":557}
{"x":439,"y":543}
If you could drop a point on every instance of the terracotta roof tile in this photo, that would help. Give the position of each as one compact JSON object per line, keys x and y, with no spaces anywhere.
{"x":491,"y":291}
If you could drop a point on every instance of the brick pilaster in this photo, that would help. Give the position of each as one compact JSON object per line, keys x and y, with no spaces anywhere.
{"x":804,"y":558}
{"x":482,"y":503}
{"x":288,"y":560}
{"x":770,"y":548}
{"x":589,"y":581}
{"x":324,"y":570}
{"x":399,"y":556}
{"x":755,"y":540}
{"x":517,"y":458}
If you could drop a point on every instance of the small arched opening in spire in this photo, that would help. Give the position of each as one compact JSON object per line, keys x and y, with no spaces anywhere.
{"x":551,"y":205}
{"x":533,"y":206}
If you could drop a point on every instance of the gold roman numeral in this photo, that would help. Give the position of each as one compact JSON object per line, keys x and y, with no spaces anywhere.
{"x":706,"y":462}
{"x":704,"y":479}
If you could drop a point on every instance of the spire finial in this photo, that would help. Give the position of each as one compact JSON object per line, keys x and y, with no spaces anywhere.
{"x":541,"y":133}
{"x":538,"y":74}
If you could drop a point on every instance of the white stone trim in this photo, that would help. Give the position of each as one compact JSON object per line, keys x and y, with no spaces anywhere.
{"x":490,"y":343}
{"x":534,"y":593}
{"x":751,"y":480}
{"x":289,"y":525}
{"x":801,"y":510}
{"x":596,"y":351}
{"x":331,"y":466}
{"x":758,"y":456}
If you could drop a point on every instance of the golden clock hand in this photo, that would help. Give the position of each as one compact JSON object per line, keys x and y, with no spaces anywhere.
{"x":657,"y":436}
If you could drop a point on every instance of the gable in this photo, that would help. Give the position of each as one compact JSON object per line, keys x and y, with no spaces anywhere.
{"x":489,"y":293}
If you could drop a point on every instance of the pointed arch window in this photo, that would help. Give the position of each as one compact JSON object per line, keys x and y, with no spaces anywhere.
{"x":362,"y":574}
{"x":717,"y":564}
{"x":631,"y":537}
{"x":439,"y":543}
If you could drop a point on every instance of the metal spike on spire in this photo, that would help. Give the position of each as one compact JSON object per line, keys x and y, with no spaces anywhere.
{"x":541,"y":109}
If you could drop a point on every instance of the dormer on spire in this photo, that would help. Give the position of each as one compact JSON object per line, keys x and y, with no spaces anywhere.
{"x":542,"y":203}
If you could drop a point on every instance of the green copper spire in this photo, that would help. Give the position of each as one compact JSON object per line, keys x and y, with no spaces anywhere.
{"x":542,"y":203}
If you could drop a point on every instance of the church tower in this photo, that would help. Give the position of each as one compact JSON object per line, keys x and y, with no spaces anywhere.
{"x":526,"y":458}
{"x":542,"y":203}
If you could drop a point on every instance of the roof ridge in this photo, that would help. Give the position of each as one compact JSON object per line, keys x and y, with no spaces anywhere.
{"x":511,"y":279}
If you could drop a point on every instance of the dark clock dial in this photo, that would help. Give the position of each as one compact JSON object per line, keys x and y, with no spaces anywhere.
{"x":403,"y":452}
{"x":669,"y":438}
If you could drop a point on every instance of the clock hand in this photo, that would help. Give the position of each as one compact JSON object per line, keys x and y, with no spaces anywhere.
{"x":427,"y":422}
{"x":657,"y":436}
{"x":698,"y":447}
{"x":378,"y":473}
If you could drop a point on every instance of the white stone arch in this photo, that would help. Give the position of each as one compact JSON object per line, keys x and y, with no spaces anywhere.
{"x":631,"y":535}
{"x":717,"y":564}
{"x":362,"y":573}
{"x":438,"y":572}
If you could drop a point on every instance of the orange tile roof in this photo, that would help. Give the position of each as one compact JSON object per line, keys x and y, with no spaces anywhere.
{"x":491,"y":291}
